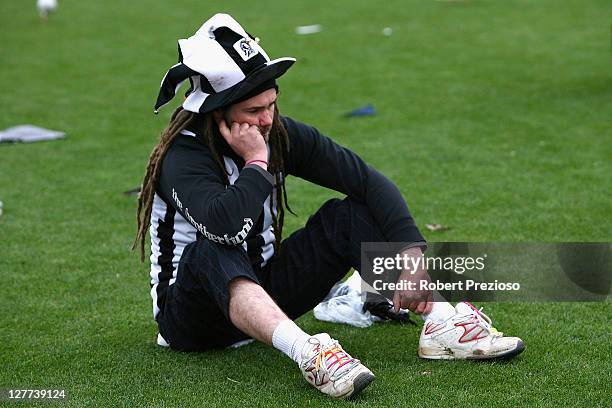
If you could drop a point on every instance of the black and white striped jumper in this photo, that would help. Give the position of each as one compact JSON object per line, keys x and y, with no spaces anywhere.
{"x":192,"y":201}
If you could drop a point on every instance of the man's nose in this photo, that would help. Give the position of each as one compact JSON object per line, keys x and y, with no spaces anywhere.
{"x":266,"y":118}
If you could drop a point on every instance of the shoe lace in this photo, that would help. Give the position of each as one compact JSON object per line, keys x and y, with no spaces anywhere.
{"x":486,"y":321}
{"x":334,"y":360}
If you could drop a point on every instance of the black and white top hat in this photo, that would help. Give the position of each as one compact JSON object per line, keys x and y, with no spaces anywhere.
{"x":223,"y":64}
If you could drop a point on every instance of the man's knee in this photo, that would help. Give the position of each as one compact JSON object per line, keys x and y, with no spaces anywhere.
{"x":361,"y":210}
{"x":241,"y":284}
{"x":347,"y":206}
{"x":215,"y":265}
{"x":348,"y":214}
{"x":206,"y":252}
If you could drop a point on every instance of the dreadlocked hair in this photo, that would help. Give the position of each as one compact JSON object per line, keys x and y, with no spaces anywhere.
{"x":279,"y":145}
{"x":179,"y":120}
{"x":208,"y":133}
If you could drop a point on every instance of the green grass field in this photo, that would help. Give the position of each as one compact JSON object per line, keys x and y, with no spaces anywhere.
{"x":494,"y":118}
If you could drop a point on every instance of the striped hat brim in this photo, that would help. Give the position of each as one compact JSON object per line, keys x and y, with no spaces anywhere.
{"x":198,"y":101}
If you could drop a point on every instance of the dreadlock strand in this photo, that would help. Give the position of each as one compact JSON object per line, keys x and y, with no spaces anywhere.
{"x":179,"y":120}
{"x":279,"y":145}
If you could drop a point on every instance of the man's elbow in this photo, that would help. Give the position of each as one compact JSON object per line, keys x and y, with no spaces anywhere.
{"x":234,"y":234}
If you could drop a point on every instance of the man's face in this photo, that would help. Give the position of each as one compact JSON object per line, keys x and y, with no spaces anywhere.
{"x":257,"y":111}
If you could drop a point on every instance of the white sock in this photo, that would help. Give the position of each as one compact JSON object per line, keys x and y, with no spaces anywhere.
{"x":441,"y":309}
{"x":289,"y":339}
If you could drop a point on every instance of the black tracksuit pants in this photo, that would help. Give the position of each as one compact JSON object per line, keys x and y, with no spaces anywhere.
{"x":195,"y":315}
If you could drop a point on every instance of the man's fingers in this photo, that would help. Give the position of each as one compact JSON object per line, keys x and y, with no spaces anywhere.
{"x":429,"y":303}
{"x":416,"y":306}
{"x":236,"y":127}
{"x":428,"y":307}
{"x":225,"y":131}
{"x":396,"y":301}
{"x":421,"y":308}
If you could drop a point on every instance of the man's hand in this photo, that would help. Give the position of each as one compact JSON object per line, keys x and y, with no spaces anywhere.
{"x":245,"y":140}
{"x":417,"y":301}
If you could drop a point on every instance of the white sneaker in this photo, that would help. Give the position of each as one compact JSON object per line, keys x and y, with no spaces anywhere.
{"x":468,"y":334}
{"x":332,"y":370}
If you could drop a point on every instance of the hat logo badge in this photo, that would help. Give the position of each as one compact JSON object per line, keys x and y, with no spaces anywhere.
{"x":244,"y":48}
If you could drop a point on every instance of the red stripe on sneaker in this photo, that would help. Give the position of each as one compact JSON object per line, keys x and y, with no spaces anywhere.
{"x":432,"y":328}
{"x":466,"y":338}
{"x":472,"y":307}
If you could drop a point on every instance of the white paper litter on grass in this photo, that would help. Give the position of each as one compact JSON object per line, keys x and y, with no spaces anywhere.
{"x":28,"y":134}
{"x":308,"y":29}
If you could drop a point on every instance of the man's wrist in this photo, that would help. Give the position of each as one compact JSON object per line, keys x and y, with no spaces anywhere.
{"x":261,"y":163}
{"x":256,"y":156}
{"x":413,"y":251}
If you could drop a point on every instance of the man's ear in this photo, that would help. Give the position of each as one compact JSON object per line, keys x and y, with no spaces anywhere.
{"x":222,"y":115}
{"x":218,"y":115}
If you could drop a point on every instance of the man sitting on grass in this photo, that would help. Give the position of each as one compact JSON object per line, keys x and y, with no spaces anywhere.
{"x":213,"y":199}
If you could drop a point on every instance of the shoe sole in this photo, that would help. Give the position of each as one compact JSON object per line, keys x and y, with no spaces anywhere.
{"x":448,"y":354}
{"x":360,"y":383}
